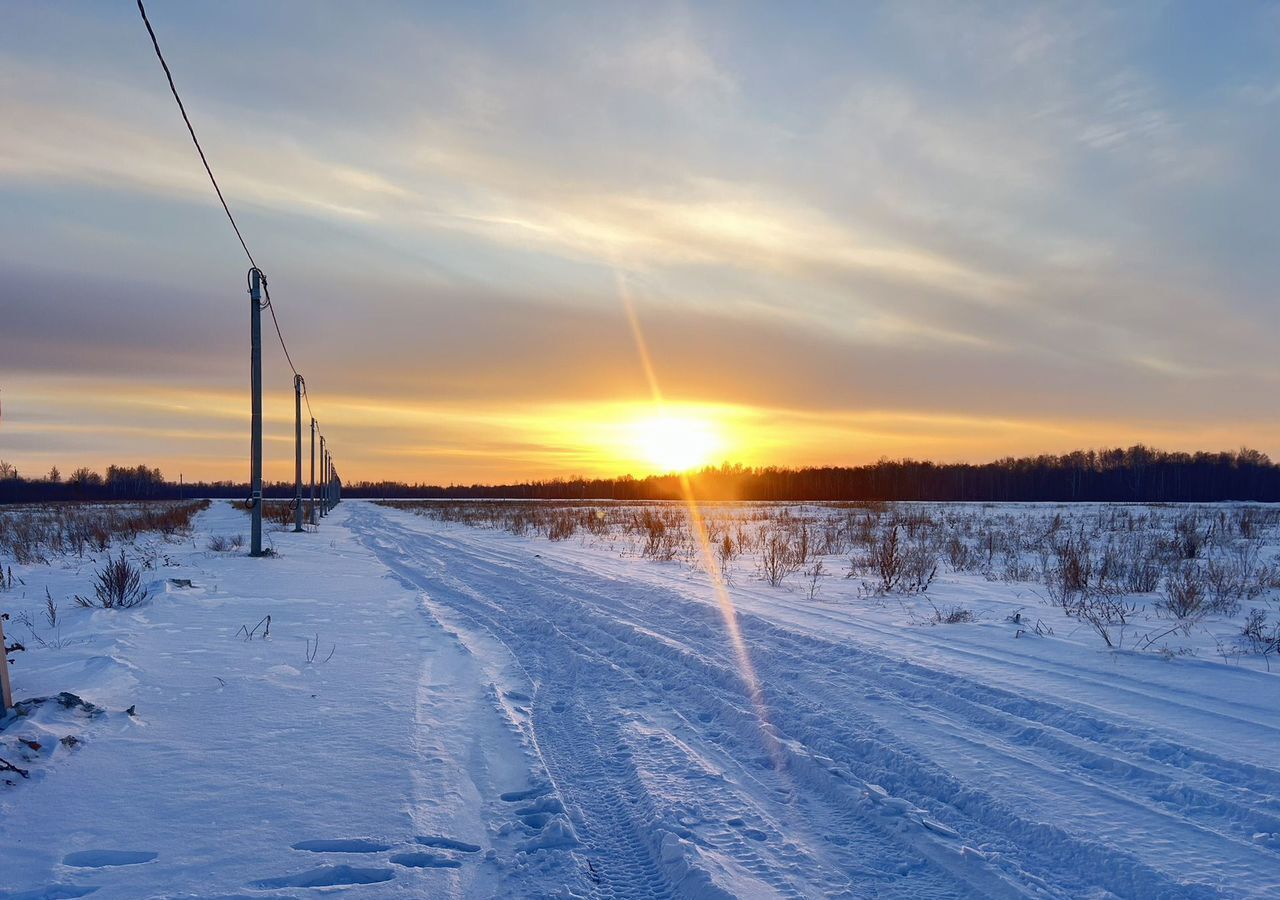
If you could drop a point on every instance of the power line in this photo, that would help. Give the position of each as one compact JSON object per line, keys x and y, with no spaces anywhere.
{"x":155,"y":43}
{"x":195,"y":140}
{"x":257,"y":280}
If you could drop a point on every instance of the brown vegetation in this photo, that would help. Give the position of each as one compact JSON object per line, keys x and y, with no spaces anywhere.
{"x":31,"y":534}
{"x":1103,"y":566}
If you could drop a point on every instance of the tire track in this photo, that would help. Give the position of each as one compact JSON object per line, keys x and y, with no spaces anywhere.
{"x":640,"y":643}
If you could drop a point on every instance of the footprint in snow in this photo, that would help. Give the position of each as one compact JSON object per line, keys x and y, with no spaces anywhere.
{"x":444,"y":843}
{"x":754,"y":833}
{"x":529,"y":794}
{"x":52,"y":892}
{"x":343,"y":845}
{"x":422,"y":859}
{"x":545,"y":818}
{"x":101,"y":859}
{"x":327,"y":876}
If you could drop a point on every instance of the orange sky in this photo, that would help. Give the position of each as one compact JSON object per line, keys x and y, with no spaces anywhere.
{"x":204,"y":435}
{"x":882,"y":231}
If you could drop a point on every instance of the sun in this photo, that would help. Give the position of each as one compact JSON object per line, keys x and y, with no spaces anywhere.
{"x":676,"y":443}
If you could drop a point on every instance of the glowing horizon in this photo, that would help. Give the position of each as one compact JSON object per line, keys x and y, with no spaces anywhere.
{"x":203,"y":435}
{"x":954,"y":234}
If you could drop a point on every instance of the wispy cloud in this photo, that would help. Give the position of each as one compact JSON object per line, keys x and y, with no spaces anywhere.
{"x":919,"y":209}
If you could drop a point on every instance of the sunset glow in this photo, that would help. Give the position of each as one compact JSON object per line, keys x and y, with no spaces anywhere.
{"x":673,"y":449}
{"x":673,"y":443}
{"x":881,"y":264}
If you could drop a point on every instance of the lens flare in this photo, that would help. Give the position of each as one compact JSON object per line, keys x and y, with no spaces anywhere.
{"x":698,"y":525}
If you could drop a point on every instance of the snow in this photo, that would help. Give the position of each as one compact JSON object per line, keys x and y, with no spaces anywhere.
{"x":440,"y":710}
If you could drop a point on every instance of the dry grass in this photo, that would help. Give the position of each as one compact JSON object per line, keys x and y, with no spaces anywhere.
{"x":1103,"y":565}
{"x":33,"y":534}
{"x":274,"y":512}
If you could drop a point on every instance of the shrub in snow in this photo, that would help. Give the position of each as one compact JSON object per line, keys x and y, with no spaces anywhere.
{"x":220,"y":543}
{"x":1185,"y":592}
{"x":897,"y":565}
{"x":662,"y":535}
{"x":1259,"y":635}
{"x":118,"y":586}
{"x":1189,"y":538}
{"x":1106,"y":615}
{"x":1068,"y":571}
{"x":814,"y":575}
{"x":951,"y":615}
{"x":777,"y":558}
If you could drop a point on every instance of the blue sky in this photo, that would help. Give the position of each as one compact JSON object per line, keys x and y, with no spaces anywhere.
{"x":849,"y":230}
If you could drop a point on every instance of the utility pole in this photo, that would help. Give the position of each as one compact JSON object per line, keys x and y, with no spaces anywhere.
{"x":323,"y":457}
{"x":297,"y":453}
{"x":311,"y":513}
{"x":6,"y":693}
{"x":255,"y":440}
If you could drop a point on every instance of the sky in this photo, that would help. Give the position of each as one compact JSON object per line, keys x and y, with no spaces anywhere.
{"x":844,"y":231}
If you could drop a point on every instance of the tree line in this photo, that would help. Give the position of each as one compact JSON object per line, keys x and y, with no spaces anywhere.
{"x":1134,"y":474}
{"x":139,"y":482}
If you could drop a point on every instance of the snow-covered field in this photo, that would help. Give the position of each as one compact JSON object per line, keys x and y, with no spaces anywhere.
{"x":446,"y":710}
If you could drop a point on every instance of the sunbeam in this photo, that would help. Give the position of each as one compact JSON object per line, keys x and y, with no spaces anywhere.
{"x":698,"y":526}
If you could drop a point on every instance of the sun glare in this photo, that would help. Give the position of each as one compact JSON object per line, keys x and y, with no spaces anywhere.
{"x":676,"y":443}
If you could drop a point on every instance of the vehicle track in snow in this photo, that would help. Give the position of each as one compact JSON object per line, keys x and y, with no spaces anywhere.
{"x":642,"y":720}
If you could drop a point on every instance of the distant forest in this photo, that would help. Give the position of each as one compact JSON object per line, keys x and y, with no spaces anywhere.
{"x":1136,"y":474}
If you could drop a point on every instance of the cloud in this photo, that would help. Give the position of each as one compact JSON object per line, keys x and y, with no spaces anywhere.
{"x":979,"y":216}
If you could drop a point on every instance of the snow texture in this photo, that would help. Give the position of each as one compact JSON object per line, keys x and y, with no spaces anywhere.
{"x":506,"y":716}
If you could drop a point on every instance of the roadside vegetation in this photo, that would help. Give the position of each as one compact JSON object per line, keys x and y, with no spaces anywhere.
{"x":1136,"y":576}
{"x":36,"y":533}
{"x":103,"y":551}
{"x":276,"y":513}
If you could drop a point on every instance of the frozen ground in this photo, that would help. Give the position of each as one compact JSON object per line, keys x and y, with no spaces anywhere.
{"x":494,"y":715}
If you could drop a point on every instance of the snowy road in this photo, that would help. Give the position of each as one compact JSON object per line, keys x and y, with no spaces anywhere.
{"x":886,"y":770}
{"x":506,"y":716}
